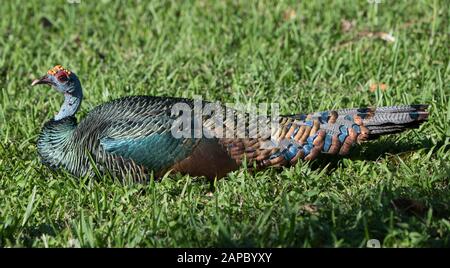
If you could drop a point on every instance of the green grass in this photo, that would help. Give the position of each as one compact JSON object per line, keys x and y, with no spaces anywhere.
{"x":395,"y":189}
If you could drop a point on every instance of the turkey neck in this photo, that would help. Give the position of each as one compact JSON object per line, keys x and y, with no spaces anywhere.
{"x":72,"y":102}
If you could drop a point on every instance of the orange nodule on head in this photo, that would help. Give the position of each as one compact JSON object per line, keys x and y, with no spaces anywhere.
{"x":57,"y":69}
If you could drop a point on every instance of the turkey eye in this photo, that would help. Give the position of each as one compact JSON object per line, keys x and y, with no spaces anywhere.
{"x":63,"y":78}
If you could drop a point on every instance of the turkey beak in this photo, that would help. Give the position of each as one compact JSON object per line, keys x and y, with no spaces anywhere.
{"x":43,"y":80}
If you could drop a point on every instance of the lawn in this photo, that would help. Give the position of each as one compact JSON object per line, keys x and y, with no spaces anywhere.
{"x":305,"y":55}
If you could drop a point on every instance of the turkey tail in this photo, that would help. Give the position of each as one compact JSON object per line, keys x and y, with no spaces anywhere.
{"x":305,"y":136}
{"x":336,"y":132}
{"x":340,"y":130}
{"x":394,"y":119}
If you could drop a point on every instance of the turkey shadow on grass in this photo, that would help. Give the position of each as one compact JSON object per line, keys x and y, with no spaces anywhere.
{"x":374,"y":151}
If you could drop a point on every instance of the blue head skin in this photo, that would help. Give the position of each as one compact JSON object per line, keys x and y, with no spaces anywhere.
{"x":67,"y":83}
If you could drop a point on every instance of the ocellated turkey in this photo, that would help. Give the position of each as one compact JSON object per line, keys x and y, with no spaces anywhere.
{"x":132,"y":136}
